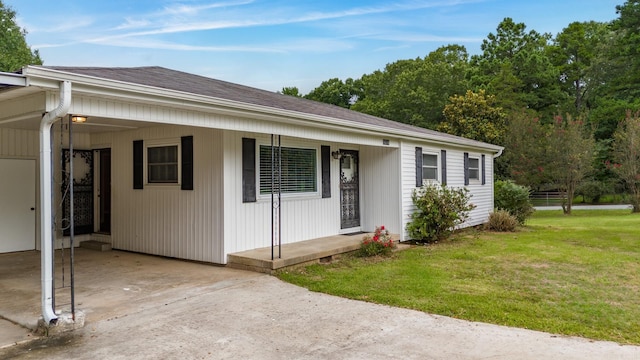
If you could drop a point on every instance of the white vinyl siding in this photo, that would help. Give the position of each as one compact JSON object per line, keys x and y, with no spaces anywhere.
{"x":164,"y":220}
{"x":380,"y":188}
{"x":248,"y":225}
{"x":481,"y":195}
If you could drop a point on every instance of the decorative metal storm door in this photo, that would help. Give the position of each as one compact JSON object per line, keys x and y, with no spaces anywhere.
{"x":349,"y":190}
{"x":82,"y":191}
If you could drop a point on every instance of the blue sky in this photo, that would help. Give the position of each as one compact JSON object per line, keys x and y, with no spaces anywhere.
{"x":273,"y":44}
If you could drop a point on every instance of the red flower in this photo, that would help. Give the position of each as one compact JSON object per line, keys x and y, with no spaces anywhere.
{"x":382,"y":227}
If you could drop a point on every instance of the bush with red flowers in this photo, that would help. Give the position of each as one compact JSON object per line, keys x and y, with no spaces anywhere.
{"x":378,"y":244}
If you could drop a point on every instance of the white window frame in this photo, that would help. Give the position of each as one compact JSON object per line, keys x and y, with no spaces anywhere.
{"x":157,"y":144}
{"x":477,"y":169}
{"x":437,"y":167}
{"x":318,"y":173}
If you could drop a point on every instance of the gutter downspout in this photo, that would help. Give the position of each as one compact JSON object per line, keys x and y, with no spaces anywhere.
{"x":46,"y":233}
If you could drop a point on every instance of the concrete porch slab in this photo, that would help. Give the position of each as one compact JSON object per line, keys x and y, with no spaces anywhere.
{"x":320,"y":249}
{"x":108,"y":285}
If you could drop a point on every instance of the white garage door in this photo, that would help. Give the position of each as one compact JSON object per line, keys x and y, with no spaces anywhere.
{"x":17,"y":205}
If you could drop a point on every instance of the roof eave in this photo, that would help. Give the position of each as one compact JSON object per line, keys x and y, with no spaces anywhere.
{"x":48,"y":78}
{"x":11,"y":79}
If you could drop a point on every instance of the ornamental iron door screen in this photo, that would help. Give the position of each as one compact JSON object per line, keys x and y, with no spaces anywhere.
{"x":82,"y":191}
{"x":104,"y":192}
{"x":349,"y":190}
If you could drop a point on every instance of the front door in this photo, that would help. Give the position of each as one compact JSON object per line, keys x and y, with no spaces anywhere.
{"x":17,"y":205}
{"x":349,"y":190}
{"x":82,"y":191}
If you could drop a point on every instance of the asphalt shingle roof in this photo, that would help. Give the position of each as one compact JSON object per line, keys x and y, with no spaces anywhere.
{"x":164,"y":78}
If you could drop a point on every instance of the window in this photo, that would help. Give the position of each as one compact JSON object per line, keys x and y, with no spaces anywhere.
{"x":162,"y":164}
{"x":474,"y":169}
{"x":429,"y":167}
{"x":298,"y":168}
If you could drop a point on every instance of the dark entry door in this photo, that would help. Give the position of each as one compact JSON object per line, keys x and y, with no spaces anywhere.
{"x":82,"y":191}
{"x":349,"y":190}
{"x":104,"y":192}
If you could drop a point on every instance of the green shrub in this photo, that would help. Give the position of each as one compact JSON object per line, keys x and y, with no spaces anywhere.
{"x":591,"y":191}
{"x":378,"y":244}
{"x":514,"y":199}
{"x":439,"y":210}
{"x":502,"y":220}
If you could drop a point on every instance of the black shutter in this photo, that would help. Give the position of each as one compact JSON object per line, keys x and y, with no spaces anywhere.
{"x":466,"y":168}
{"x":248,"y":170}
{"x":484,"y":177}
{"x":325,"y":157}
{"x":418,"y":166}
{"x":187,"y":163}
{"x":443,"y":165}
{"x":138,"y":164}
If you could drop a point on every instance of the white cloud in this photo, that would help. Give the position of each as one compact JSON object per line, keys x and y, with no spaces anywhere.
{"x":143,"y":43}
{"x":159,"y":23}
{"x":149,"y":30}
{"x":181,"y":9}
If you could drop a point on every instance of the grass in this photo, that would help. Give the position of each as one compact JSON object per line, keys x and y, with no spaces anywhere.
{"x":573,"y":275}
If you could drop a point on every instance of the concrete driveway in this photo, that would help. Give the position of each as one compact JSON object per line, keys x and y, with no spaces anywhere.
{"x":145,"y":307}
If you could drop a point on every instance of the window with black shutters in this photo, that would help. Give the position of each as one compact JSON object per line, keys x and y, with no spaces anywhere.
{"x":429,"y":167}
{"x":474,"y":168}
{"x":298,"y":169}
{"x":162,"y":164}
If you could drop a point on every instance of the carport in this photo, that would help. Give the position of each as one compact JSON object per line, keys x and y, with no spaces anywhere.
{"x":108,"y":284}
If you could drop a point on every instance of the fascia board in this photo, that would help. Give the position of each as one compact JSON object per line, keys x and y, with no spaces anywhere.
{"x":13,"y":79}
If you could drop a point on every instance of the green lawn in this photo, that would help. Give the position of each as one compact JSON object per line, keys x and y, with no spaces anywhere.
{"x":573,"y":275}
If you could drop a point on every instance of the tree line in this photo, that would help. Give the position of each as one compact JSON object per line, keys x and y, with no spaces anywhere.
{"x":564,"y":106}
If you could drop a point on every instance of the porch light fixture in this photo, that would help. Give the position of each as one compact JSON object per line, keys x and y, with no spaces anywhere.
{"x":336,"y":155}
{"x":79,"y":119}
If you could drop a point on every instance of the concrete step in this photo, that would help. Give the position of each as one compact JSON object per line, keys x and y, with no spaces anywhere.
{"x":96,"y":245}
{"x":303,"y":252}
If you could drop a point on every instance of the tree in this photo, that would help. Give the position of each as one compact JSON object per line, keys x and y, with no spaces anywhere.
{"x":474,"y":116}
{"x":335,"y":91}
{"x":572,"y":53}
{"x":521,"y":57}
{"x":291,"y":91}
{"x":525,"y":152}
{"x":570,"y":155}
{"x":14,"y":51}
{"x":625,"y":56}
{"x":415,"y":91}
{"x":626,"y":154}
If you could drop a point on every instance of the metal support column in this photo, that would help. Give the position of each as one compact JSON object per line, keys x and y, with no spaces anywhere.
{"x":276,"y":196}
{"x":71,"y":222}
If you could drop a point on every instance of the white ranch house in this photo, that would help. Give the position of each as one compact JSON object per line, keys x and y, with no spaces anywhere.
{"x":179,"y":165}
